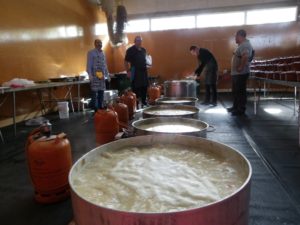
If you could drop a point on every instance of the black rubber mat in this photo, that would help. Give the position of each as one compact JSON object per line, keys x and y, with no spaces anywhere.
{"x":271,"y":203}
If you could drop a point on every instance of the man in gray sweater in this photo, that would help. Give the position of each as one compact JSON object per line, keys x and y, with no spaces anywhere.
{"x":240,"y":70}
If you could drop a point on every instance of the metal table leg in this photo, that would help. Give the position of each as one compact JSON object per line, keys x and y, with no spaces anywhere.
{"x":69,"y":93}
{"x":299,"y":124}
{"x":71,"y":101}
{"x":258,"y":96}
{"x":1,"y":103}
{"x":265,"y":86}
{"x":14,"y":113}
{"x":255,"y":99}
{"x":78,"y":97}
{"x":2,"y":139}
{"x":42,"y":102}
{"x":295,"y":100}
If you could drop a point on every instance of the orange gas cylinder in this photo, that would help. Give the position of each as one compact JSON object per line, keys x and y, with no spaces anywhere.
{"x":49,"y":162}
{"x":161,"y":88}
{"x":122,"y":111}
{"x":129,"y":92}
{"x":106,"y":125}
{"x":130,"y":102}
{"x":153,"y":93}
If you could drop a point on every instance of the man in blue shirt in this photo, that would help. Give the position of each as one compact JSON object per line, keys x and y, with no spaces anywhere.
{"x":98,"y":73}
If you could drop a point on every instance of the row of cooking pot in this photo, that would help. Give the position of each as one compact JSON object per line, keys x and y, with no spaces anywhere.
{"x":230,"y":210}
{"x":171,"y":115}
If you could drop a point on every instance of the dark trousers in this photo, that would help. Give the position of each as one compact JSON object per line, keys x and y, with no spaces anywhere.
{"x":198,"y":88}
{"x":239,"y":92}
{"x":141,"y":92}
{"x":97,"y":100}
{"x":210,"y":90}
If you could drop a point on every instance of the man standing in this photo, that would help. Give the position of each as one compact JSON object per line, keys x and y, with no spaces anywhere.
{"x":98,"y":73}
{"x":240,"y":70}
{"x":209,"y":66}
{"x":135,"y":65}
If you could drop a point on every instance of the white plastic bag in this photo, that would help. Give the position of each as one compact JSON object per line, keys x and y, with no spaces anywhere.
{"x":148,"y":60}
{"x":17,"y":82}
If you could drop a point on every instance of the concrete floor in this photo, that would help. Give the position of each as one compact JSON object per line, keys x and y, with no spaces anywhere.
{"x":269,"y":141}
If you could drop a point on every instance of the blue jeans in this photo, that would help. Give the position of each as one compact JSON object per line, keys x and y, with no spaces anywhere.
{"x":97,"y":100}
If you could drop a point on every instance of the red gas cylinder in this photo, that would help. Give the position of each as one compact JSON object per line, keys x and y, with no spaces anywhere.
{"x":153,"y":93}
{"x":161,"y":88}
{"x":129,"y":92}
{"x":130,"y":102}
{"x":106,"y":125}
{"x":49,"y":162}
{"x":123,"y":115}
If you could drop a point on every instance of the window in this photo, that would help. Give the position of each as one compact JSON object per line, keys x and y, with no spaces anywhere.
{"x":142,"y":25}
{"x":101,"y":29}
{"x":73,"y":31}
{"x":61,"y":32}
{"x":275,"y":15}
{"x":221,"y":19}
{"x":171,"y":23}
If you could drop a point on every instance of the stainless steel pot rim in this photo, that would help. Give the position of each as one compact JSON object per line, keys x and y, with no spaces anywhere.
{"x":176,"y":101}
{"x":192,"y":109}
{"x":176,"y":120}
{"x":179,"y":81}
{"x":155,"y":137}
{"x":193,"y":99}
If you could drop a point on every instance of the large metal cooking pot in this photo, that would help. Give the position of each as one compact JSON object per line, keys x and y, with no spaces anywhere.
{"x":231,"y":210}
{"x":176,"y":101}
{"x":170,"y":125}
{"x":170,"y":111}
{"x":180,"y":88}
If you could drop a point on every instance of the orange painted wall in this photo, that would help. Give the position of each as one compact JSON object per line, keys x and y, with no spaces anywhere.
{"x":39,"y":58}
{"x":33,"y":45}
{"x":172,"y":60}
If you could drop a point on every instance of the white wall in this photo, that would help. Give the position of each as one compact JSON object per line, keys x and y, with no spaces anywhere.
{"x":138,"y":7}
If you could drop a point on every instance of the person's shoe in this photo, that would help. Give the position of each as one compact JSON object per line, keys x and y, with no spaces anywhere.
{"x":145,"y":105}
{"x":237,"y":113}
{"x":231,"y":109}
{"x":214,"y":103}
{"x":205,"y":103}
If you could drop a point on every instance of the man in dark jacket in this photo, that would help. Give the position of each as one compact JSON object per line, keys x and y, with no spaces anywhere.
{"x":135,"y":65}
{"x":209,"y":66}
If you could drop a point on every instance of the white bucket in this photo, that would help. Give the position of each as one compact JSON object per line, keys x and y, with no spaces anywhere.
{"x":63,"y":110}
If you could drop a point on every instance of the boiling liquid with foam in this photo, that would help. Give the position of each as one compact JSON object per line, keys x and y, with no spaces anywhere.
{"x":161,"y":178}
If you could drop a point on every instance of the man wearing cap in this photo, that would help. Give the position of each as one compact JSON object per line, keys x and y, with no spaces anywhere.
{"x":240,"y":70}
{"x":136,"y":67}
